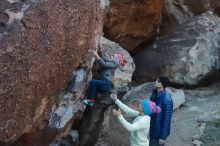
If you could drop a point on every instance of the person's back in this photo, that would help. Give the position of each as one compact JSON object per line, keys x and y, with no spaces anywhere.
{"x":108,"y":68}
{"x":139,"y":137}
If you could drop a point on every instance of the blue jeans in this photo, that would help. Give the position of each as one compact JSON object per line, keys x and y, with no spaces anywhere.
{"x":98,"y":86}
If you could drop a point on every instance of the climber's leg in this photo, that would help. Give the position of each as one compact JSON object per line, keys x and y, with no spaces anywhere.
{"x":97,"y":86}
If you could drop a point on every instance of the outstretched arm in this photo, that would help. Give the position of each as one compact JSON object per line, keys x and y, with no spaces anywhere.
{"x":126,"y":109}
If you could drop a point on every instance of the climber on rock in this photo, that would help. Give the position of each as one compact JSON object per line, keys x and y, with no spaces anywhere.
{"x":106,"y":75}
{"x":140,"y":111}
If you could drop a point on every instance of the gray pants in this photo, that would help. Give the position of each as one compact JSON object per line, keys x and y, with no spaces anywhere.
{"x":154,"y":142}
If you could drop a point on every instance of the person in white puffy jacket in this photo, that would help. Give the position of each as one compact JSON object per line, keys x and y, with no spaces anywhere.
{"x":140,"y":111}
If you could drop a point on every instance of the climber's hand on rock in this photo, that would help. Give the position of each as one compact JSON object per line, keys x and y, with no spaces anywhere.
{"x":116,"y":113}
{"x":96,"y":54}
{"x":113,"y":97}
{"x":100,"y":45}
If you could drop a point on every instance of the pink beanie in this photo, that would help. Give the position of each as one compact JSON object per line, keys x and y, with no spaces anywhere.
{"x":150,"y":107}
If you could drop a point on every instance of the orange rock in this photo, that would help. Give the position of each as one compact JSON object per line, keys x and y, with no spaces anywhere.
{"x":131,"y":23}
{"x":42,"y":43}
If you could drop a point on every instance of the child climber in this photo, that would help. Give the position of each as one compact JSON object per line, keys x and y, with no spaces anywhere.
{"x":106,"y":75}
{"x":140,"y":127}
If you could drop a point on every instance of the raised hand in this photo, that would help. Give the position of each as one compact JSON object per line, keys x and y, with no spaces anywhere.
{"x":100,"y":45}
{"x":113,"y":96}
{"x":116,"y":113}
{"x":96,"y":54}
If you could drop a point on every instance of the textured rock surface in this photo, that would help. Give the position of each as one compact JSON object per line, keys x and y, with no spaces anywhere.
{"x":91,"y":124}
{"x":198,"y":7}
{"x":201,"y":6}
{"x":189,"y":120}
{"x":217,"y":8}
{"x":178,"y":97}
{"x":130,"y":22}
{"x":69,"y":103}
{"x":70,"y":140}
{"x":211,"y":133}
{"x":188,"y":55}
{"x":42,"y":42}
{"x":176,"y":12}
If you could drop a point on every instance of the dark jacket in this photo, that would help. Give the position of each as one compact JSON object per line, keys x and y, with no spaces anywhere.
{"x":160,"y":122}
{"x":109,"y":67}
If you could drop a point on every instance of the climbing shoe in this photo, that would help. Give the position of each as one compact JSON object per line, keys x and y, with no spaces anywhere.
{"x":89,"y":102}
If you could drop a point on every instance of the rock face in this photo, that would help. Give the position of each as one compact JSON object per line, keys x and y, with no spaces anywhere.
{"x":198,"y":8}
{"x":42,"y":42}
{"x":217,"y":8}
{"x":188,"y":55}
{"x":176,"y":12}
{"x":91,"y":123}
{"x":131,"y":23}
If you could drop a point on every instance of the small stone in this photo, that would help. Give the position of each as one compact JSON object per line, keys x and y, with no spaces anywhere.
{"x":75,"y":135}
{"x":197,"y":142}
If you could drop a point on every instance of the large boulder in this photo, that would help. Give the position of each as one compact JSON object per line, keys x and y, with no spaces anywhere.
{"x":188,"y":55}
{"x":176,"y":12}
{"x":42,"y":42}
{"x":70,"y":106}
{"x":217,"y":8}
{"x":132,"y":22}
{"x":198,"y":7}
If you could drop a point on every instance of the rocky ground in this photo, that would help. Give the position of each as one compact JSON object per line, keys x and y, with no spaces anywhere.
{"x":199,"y":117}
{"x":189,"y":120}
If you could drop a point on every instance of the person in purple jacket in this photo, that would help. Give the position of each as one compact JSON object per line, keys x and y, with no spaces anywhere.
{"x":160,"y":122}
